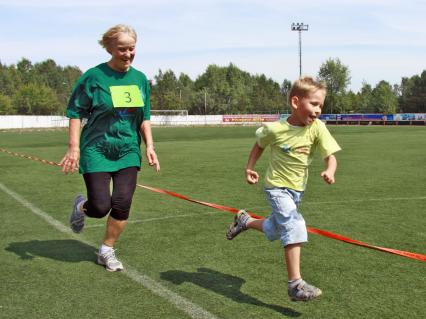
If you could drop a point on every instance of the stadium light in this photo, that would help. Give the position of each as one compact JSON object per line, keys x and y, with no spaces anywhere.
{"x":300,"y":27}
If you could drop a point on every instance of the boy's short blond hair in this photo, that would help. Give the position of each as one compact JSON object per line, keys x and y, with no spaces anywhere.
{"x":305,"y":85}
{"x":112,"y":33}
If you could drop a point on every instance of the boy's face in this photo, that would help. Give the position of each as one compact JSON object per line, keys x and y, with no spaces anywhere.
{"x":305,"y":110}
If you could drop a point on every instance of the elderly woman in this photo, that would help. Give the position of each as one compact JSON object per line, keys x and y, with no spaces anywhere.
{"x":114,"y":97}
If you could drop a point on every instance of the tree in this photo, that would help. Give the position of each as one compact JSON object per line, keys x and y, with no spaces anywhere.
{"x":413,"y":94}
{"x":35,"y":99}
{"x":365,"y":99}
{"x":9,"y":80}
{"x":215,"y":86}
{"x":166,"y":91}
{"x":26,"y":71}
{"x":6,"y":105}
{"x":267,"y":95}
{"x":336,"y":76}
{"x":384,"y":98}
{"x":186,"y":91}
{"x":285,"y":90}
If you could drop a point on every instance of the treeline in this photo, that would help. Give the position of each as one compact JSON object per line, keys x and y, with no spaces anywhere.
{"x":36,"y":89}
{"x":44,"y":88}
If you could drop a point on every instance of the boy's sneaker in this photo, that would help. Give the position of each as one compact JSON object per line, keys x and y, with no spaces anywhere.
{"x":77,"y":216}
{"x":110,"y":261}
{"x":303,"y":292}
{"x":239,"y":224}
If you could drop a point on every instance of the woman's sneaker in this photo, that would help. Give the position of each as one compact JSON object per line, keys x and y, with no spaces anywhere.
{"x":302,"y":291}
{"x":239,"y":225}
{"x":110,"y":261}
{"x":77,"y":216}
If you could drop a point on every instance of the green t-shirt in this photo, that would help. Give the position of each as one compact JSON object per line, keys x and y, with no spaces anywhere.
{"x":115,"y":105}
{"x":292,"y":150}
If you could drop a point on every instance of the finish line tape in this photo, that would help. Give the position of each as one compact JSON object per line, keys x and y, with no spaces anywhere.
{"x":312,"y":230}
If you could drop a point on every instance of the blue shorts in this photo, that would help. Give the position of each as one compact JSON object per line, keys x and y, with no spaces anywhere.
{"x":285,"y":222}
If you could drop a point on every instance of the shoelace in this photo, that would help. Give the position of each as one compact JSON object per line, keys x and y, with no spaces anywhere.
{"x":110,"y":257}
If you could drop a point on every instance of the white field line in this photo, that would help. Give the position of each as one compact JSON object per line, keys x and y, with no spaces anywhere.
{"x":190,"y":308}
{"x":307,"y":203}
{"x":311,"y":202}
{"x":137,"y":221}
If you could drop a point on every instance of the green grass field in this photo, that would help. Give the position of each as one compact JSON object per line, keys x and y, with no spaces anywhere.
{"x":179,"y":263}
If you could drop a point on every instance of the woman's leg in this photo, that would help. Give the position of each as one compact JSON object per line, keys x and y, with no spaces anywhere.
{"x":124,"y":185}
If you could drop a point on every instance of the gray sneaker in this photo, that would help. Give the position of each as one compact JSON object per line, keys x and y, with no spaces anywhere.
{"x":110,"y":261}
{"x":303,"y":292}
{"x":77,"y":216}
{"x":239,"y":225}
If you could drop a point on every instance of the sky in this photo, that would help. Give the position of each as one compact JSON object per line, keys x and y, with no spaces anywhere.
{"x":376,"y":39}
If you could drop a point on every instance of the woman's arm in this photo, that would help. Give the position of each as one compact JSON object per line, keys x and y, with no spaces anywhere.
{"x":149,"y":142}
{"x":70,"y":161}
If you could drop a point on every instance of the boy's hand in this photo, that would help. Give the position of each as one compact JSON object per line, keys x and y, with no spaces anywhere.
{"x":252,"y":176}
{"x":328,"y":177}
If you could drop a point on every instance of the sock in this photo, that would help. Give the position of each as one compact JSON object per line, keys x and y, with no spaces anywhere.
{"x":81,"y":208}
{"x":294,"y":283}
{"x":104,"y":249}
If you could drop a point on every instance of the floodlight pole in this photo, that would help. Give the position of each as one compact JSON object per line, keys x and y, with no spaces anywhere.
{"x":300,"y":27}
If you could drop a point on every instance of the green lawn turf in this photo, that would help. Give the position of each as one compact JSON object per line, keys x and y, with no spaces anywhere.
{"x":379,"y":198}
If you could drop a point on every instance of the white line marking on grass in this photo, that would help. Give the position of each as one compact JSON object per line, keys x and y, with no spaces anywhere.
{"x":137,"y":221}
{"x":311,"y":202}
{"x":190,"y":308}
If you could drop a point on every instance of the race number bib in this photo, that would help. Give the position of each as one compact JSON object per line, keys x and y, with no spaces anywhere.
{"x":126,"y":96}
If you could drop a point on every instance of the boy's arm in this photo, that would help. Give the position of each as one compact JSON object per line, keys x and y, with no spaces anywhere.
{"x":251,"y":175}
{"x":330,"y":169}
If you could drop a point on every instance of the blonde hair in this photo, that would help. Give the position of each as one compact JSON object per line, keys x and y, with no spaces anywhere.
{"x":305,"y":85}
{"x":113,"y":33}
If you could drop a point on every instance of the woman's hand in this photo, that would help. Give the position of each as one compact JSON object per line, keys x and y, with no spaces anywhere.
{"x":70,"y":162}
{"x":152,"y":158}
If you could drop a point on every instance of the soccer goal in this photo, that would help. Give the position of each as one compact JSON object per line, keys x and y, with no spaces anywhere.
{"x":169,"y":117}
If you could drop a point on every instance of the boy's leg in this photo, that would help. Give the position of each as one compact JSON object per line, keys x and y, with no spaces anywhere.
{"x":257,"y":224}
{"x":298,"y":289}
{"x":287,"y":223}
{"x":292,"y":259}
{"x":239,"y":224}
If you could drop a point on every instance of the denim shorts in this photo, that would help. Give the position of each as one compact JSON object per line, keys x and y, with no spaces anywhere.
{"x":285,"y":222}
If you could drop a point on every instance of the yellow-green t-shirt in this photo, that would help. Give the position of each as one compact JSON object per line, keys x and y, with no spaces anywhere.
{"x":292,"y":150}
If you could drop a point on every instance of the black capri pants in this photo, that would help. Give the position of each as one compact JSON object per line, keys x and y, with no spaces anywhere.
{"x":100,"y":201}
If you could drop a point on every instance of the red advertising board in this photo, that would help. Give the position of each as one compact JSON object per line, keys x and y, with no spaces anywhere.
{"x":250,"y":118}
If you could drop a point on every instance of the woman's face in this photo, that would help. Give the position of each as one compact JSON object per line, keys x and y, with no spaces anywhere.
{"x":122,"y":51}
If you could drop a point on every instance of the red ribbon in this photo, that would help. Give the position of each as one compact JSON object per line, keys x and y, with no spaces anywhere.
{"x":310,"y":229}
{"x":235,"y":210}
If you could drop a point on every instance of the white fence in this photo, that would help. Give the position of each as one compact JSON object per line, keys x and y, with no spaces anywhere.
{"x":43,"y":121}
{"x":32,"y":121}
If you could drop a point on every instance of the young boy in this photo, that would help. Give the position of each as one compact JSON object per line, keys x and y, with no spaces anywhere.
{"x":292,"y":143}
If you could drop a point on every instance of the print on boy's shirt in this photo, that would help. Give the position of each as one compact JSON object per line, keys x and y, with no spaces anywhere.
{"x":286,"y":148}
{"x":303,"y":149}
